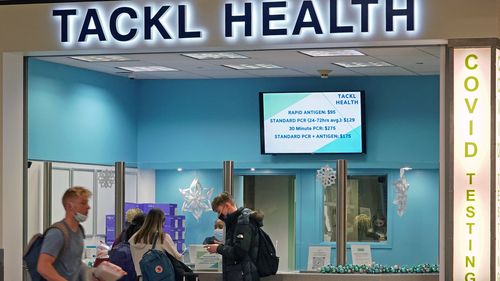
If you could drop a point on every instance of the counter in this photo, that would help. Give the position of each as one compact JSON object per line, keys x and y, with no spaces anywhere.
{"x":297,"y":276}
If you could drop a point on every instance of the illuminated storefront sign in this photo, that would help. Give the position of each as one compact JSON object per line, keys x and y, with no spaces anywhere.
{"x":169,"y":22}
{"x":472,"y":168}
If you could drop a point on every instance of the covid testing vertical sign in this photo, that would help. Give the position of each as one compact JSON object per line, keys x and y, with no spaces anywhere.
{"x":472,"y":164}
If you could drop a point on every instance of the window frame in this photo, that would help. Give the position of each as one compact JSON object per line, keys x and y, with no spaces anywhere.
{"x":392,"y":176}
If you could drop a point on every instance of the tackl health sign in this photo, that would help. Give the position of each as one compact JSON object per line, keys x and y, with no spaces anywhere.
{"x":472,"y":166}
{"x":175,"y":22}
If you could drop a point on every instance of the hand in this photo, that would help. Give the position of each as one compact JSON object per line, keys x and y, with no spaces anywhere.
{"x":107,"y":270}
{"x":115,"y":267}
{"x":211,"y":248}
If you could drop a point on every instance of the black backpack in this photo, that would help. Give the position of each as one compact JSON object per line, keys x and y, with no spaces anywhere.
{"x":264,"y":254}
{"x":120,"y":255}
{"x":266,"y":261}
{"x":181,"y":270}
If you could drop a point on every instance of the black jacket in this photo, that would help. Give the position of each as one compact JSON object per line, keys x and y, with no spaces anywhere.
{"x":240,"y":245}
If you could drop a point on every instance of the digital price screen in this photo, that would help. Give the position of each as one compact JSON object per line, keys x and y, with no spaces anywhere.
{"x":312,"y":122}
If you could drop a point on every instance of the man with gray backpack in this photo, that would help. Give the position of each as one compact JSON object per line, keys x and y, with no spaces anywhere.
{"x":59,"y":257}
{"x":56,"y":255}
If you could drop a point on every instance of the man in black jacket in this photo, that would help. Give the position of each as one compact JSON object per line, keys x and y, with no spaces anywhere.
{"x":240,"y":247}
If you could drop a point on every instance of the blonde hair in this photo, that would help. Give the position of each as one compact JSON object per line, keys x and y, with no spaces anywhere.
{"x":74,"y":193}
{"x":131,"y":213}
{"x":362,"y":222}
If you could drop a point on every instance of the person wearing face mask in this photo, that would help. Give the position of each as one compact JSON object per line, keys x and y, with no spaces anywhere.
{"x":218,"y":233}
{"x":60,"y":260}
{"x":239,"y":248}
{"x":57,"y":261}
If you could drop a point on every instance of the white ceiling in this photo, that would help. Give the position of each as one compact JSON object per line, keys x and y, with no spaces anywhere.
{"x":406,"y":61}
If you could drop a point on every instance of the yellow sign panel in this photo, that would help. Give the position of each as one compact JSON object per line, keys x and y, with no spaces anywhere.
{"x":472,"y":166}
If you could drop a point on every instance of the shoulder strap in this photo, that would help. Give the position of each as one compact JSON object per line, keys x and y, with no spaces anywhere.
{"x":63,"y":228}
{"x":155,"y":238}
{"x":61,"y":225}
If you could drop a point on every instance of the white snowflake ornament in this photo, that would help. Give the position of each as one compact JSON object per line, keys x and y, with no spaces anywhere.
{"x":326,"y":175}
{"x":401,"y":187}
{"x":196,"y":199}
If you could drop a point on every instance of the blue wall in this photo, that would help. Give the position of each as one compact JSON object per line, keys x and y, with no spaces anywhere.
{"x":82,"y":116}
{"x":175,"y":116}
{"x":76,"y":115}
{"x":169,"y":182}
{"x":412,"y":238}
{"x":402,"y":128}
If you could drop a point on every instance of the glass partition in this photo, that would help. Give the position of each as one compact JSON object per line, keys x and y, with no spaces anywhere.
{"x":366,"y":209}
{"x":99,"y":179}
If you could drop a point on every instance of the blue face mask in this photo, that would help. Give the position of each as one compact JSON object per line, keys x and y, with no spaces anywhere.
{"x":218,"y":233}
{"x":80,"y":217}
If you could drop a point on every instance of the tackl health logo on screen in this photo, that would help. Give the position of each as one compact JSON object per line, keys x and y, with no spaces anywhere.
{"x":472,"y":164}
{"x":171,"y":23}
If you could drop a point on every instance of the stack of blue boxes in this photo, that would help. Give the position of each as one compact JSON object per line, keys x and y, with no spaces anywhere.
{"x":175,"y":225}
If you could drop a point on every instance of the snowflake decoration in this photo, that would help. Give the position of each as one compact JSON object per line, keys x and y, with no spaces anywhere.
{"x":326,"y":175}
{"x":401,"y":187}
{"x":196,"y":199}
{"x":106,"y":178}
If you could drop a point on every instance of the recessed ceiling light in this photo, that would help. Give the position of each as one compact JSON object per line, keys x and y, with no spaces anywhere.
{"x":331,"y":53}
{"x":179,"y":169}
{"x":147,"y":68}
{"x":363,"y":64}
{"x":252,"y":66}
{"x":215,"y":56}
{"x":101,"y":58}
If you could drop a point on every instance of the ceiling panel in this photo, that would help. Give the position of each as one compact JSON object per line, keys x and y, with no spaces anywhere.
{"x":226,"y":74}
{"x":383,"y":71}
{"x":422,"y":60}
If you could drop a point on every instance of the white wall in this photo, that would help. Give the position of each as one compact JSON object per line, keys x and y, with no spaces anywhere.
{"x":35,"y":199}
{"x":12,"y":165}
{"x":139,"y":188}
{"x":146,"y":186}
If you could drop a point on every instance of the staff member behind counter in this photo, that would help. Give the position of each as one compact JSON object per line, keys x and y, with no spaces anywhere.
{"x":218,"y":233}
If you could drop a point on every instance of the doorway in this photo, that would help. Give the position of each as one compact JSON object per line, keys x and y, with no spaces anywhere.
{"x":274,"y":195}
